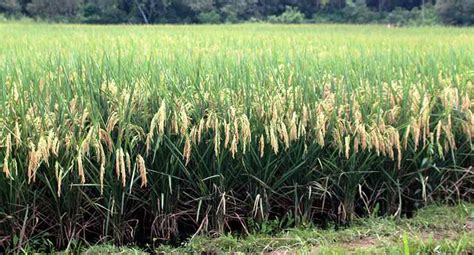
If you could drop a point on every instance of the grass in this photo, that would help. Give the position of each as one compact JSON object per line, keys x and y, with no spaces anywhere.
{"x":150,"y":134}
{"x":435,"y":229}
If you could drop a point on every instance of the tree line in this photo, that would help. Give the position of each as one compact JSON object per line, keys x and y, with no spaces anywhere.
{"x":399,"y":12}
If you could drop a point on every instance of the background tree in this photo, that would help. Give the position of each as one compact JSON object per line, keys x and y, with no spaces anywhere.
{"x":402,"y":12}
{"x":54,"y":9}
{"x":104,"y":11}
{"x":10,"y":7}
{"x":456,"y":12}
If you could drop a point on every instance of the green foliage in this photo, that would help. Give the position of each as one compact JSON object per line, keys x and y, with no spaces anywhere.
{"x":87,"y":111}
{"x":399,"y":12}
{"x":358,"y":12}
{"x":58,"y":10}
{"x":291,"y":15}
{"x":416,"y":16}
{"x":365,"y":236}
{"x":212,"y":17}
{"x":456,"y":12}
{"x":10,"y":7}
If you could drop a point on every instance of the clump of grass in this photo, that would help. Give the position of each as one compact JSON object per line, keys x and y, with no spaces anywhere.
{"x":157,"y":133}
{"x":365,"y":235}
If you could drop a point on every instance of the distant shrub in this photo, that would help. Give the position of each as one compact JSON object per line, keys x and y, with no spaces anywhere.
{"x":211,"y":17}
{"x":292,"y":15}
{"x":10,"y":7}
{"x":92,"y":13}
{"x":358,"y":12}
{"x":232,"y":18}
{"x":414,"y":17}
{"x":57,"y":11}
{"x":456,"y":12}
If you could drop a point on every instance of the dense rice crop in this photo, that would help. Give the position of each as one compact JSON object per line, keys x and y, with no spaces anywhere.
{"x":128,"y":133}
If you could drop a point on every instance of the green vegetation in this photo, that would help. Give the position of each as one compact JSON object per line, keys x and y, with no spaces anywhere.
{"x":395,"y":12}
{"x":436,"y":229}
{"x":131,"y":134}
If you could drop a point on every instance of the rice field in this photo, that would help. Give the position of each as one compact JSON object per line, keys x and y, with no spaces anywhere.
{"x":149,"y":134}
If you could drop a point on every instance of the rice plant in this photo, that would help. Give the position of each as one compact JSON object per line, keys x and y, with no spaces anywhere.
{"x":151,"y":134}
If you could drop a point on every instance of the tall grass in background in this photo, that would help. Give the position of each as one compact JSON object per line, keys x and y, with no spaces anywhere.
{"x":151,"y":134}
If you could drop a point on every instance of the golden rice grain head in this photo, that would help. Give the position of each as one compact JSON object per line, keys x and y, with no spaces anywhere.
{"x":102,"y":169}
{"x":302,"y":130}
{"x":142,"y":170}
{"x":246,"y":130}
{"x":446,"y":146}
{"x":6,"y":169}
{"x":305,"y":115}
{"x":162,"y":118}
{"x":293,"y":128}
{"x":200,"y":129}
{"x":468,"y":126}
{"x":320,"y":137}
{"x":87,"y":142}
{"x":55,"y":146}
{"x":16,"y":95}
{"x":363,"y":136}
{"x":187,"y":150}
{"x":471,"y":122}
{"x":85,"y":116}
{"x":184,"y":121}
{"x":236,"y":127}
{"x":117,"y":163}
{"x":217,"y":137}
{"x":426,"y":130}
{"x":33,"y":162}
{"x":128,"y":163}
{"x":153,"y":123}
{"x":384,"y":143}
{"x":274,"y":113}
{"x":227,"y":134}
{"x":438,"y":130}
{"x":8,"y":145}
{"x":80,"y":167}
{"x":466,"y":103}
{"x":17,"y":135}
{"x":112,"y":122}
{"x":50,"y":140}
{"x":356,"y":144}
{"x":193,"y":134}
{"x":290,"y":79}
{"x":43,"y":150}
{"x":262,"y":146}
{"x":284,"y":134}
{"x":273,"y":139}
{"x":347,"y":141}
{"x":210,"y":120}
{"x":104,"y":137}
{"x":59,"y":177}
{"x":73,"y":106}
{"x":233,"y":146}
{"x":415,"y":133}
{"x":148,"y":145}
{"x":337,"y":136}
{"x":321,"y":122}
{"x":123,"y":172}
{"x":374,"y":140}
{"x":68,"y":140}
